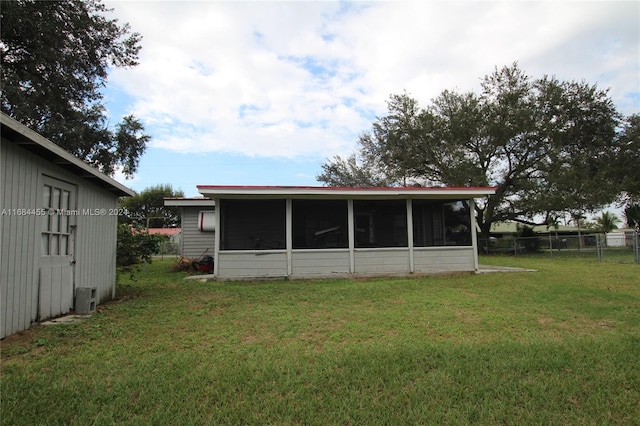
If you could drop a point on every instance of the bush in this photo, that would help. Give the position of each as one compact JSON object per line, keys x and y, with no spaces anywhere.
{"x":529,"y":239}
{"x":135,"y":245}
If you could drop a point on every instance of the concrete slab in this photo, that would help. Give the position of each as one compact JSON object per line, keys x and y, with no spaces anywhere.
{"x":488,"y":269}
{"x":202,"y":277}
{"x":66,"y":319}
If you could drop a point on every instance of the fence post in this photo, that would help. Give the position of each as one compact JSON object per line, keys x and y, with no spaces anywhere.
{"x":636,"y":246}
{"x":599,"y":247}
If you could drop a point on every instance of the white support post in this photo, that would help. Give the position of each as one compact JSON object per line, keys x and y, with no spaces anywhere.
{"x":352,"y":236}
{"x":216,"y":238}
{"x":289,"y":235}
{"x":474,"y":232}
{"x":410,"y":234}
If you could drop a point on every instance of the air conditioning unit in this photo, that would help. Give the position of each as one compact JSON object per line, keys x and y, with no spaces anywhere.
{"x":86,"y":300}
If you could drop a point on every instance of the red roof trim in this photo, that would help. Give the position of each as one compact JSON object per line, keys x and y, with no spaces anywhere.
{"x":188,"y":198}
{"x":164,"y":231}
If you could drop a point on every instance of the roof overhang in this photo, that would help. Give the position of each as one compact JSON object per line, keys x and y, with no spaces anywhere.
{"x":23,"y":136}
{"x":329,"y":192}
{"x":189,"y":202}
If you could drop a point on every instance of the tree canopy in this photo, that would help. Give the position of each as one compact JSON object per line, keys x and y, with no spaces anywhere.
{"x":606,"y":222}
{"x":548,"y":146}
{"x":629,"y":172}
{"x":632,"y":216}
{"x":147,"y":208}
{"x":55,"y":60}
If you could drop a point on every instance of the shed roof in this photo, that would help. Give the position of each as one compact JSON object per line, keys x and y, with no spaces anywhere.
{"x":169,"y":232}
{"x":332,"y":192}
{"x":28,"y":139}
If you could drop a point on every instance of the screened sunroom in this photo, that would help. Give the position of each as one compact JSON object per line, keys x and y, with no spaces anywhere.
{"x":325,"y":231}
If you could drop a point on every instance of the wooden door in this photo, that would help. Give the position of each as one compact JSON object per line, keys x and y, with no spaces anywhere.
{"x":57,"y":261}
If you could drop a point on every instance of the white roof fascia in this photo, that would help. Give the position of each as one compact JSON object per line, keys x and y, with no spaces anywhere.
{"x":344,"y":193}
{"x":187,"y":202}
{"x":57,"y":151}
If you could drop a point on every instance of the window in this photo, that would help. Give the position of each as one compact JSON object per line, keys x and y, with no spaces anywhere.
{"x":252,"y":224}
{"x":320,"y":224}
{"x":380,"y":223}
{"x":56,"y":232}
{"x":441,"y":223}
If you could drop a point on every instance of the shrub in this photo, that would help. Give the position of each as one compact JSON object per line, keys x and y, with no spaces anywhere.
{"x":135,"y":245}
{"x":529,"y":239}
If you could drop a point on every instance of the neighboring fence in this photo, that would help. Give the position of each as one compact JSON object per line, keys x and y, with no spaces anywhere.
{"x":592,"y":246}
{"x":169,"y":248}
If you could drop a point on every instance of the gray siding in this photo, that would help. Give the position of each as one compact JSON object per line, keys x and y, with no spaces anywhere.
{"x":19,"y":264}
{"x":442,"y":259}
{"x":333,"y":262}
{"x":320,"y":262}
{"x":194,"y":241}
{"x":96,"y":242}
{"x":381,"y":261}
{"x":243,"y":264}
{"x":95,"y":246}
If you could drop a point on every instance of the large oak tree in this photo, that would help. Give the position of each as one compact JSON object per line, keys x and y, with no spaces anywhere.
{"x":56,"y":56}
{"x":548,"y":146}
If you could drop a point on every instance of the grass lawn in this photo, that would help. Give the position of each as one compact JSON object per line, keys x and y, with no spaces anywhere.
{"x":557,"y":346}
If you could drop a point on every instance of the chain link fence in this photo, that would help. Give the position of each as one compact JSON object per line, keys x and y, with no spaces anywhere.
{"x":168,"y":248}
{"x":624,"y":248}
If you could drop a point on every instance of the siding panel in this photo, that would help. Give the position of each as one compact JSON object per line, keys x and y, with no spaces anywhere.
{"x":247,"y":265}
{"x":4,"y":230}
{"x":457,"y":259}
{"x":320,"y":262}
{"x":19,"y":258}
{"x":381,"y":261}
{"x":95,"y":241}
{"x":195,"y":242}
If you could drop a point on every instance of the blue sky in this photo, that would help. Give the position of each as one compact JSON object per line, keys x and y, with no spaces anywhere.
{"x":262,"y":93}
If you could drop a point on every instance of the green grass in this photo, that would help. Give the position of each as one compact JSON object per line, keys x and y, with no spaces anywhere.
{"x":609,"y":254}
{"x":557,"y":346}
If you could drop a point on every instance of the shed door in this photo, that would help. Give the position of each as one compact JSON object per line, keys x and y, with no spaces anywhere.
{"x":57,"y":248}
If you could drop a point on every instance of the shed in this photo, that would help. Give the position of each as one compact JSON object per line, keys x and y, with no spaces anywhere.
{"x":284,"y":231}
{"x":621,"y":238}
{"x":57,"y":229}
{"x":197,"y":221}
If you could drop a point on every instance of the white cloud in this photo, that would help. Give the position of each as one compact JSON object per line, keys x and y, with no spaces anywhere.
{"x":304,"y":79}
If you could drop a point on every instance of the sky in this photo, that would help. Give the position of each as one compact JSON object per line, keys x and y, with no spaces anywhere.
{"x":265,"y":92}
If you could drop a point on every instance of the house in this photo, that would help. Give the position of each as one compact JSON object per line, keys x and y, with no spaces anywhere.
{"x":172,"y":235}
{"x":621,"y":238}
{"x":57,"y":229}
{"x":276,"y":231}
{"x":197,"y":221}
{"x":502,"y":229}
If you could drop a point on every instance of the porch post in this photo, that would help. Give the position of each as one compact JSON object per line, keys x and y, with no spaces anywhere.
{"x":474,"y":232}
{"x":352,"y":234}
{"x":410,"y":234}
{"x":216,"y":239}
{"x":289,"y":235}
